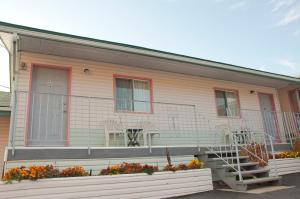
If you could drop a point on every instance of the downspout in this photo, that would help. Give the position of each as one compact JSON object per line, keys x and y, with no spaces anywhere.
{"x":14,"y":83}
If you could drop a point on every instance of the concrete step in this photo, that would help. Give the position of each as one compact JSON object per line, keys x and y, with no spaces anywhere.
{"x":247,"y":164}
{"x":256,"y":171}
{"x":259,"y":180}
{"x":229,"y":158}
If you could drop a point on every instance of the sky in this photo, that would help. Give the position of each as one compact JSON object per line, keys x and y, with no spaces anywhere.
{"x":259,"y":34}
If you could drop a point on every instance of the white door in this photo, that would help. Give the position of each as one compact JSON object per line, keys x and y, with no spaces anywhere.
{"x":269,"y":114}
{"x":48,"y":108}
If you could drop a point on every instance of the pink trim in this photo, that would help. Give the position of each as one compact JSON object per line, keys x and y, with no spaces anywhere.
{"x":69,"y":69}
{"x":293,"y":108}
{"x":134,"y":78}
{"x":271,"y":96}
{"x":238,"y":100}
{"x":292,"y":105}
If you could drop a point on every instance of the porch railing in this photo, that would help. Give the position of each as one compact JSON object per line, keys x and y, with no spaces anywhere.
{"x":43,"y":119}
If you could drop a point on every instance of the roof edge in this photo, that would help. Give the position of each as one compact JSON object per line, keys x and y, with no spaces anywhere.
{"x":30,"y":31}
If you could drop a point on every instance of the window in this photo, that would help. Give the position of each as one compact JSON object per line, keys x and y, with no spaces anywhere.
{"x":227,"y":103}
{"x":133,"y":95}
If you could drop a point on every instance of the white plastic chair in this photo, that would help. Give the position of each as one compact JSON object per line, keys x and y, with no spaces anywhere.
{"x":115,"y":128}
{"x":149,"y":129}
{"x":223,"y":128}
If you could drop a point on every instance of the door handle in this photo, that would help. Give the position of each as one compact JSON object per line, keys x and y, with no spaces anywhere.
{"x":65,"y":107}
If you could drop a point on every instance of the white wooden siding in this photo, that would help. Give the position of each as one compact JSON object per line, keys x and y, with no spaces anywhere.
{"x":285,"y":166}
{"x":158,"y":185}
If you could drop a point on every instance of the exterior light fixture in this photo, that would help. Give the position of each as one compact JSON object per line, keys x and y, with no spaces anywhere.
{"x":23,"y":66}
{"x":86,"y":71}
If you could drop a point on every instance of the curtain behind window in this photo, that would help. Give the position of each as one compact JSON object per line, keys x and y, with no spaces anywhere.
{"x":141,"y":96}
{"x":221,"y":103}
{"x":124,"y":94}
{"x":227,"y":104}
{"x":232,"y":104}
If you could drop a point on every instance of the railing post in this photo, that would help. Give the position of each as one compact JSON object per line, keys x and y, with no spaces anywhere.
{"x":273,"y":153}
{"x":197,"y":129}
{"x":286,"y":124}
{"x":89,"y":126}
{"x":149,"y":141}
{"x":237,"y":157}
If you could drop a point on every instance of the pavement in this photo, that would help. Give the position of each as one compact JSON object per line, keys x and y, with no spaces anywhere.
{"x":290,"y":189}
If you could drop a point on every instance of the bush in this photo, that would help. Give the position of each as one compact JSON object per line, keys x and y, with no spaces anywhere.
{"x":193,"y":164}
{"x":182,"y":167}
{"x":286,"y":154}
{"x":296,"y":146}
{"x":260,"y":154}
{"x":295,"y":153}
{"x":127,"y":168}
{"x":17,"y":173}
{"x":169,"y":167}
{"x":73,"y":172}
{"x":32,"y":173}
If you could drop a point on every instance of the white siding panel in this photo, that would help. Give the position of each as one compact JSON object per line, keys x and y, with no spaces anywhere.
{"x":285,"y":166}
{"x":158,"y":185}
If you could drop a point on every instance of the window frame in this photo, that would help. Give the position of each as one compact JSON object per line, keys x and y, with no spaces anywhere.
{"x":116,"y":76}
{"x":238,"y":102}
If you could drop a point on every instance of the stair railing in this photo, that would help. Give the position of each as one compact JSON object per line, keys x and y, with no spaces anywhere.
{"x":256,"y":145}
{"x":221,"y":145}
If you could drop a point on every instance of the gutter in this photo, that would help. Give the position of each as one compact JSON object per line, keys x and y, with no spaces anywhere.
{"x":28,"y":31}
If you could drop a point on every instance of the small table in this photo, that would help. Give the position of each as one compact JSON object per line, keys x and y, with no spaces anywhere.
{"x":133,"y":134}
{"x":242,"y":137}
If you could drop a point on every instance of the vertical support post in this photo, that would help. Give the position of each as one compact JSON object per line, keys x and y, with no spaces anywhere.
{"x":237,"y":158}
{"x":287,"y":126}
{"x":14,"y":123}
{"x":273,"y":154}
{"x":149,"y":137}
{"x":89,"y":125}
{"x":197,"y":129}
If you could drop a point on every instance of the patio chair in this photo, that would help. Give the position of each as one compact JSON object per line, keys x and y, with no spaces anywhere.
{"x":149,"y":130}
{"x":113,"y":127}
{"x":223,"y":129}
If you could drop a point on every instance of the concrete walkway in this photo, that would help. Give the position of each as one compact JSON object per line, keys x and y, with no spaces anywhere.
{"x":293,"y":192}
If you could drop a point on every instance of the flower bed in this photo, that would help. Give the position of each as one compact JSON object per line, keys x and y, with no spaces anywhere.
{"x":126,"y":180}
{"x":286,"y":154}
{"x":31,"y":173}
{"x":286,"y":162}
{"x":48,"y":171}
{"x":138,"y":185}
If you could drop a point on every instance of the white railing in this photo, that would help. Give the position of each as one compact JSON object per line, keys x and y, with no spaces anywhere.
{"x":44,"y":119}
